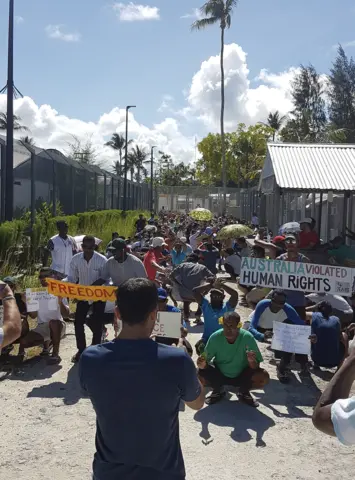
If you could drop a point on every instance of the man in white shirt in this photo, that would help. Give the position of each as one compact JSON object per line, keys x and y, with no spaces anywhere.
{"x":122,"y":266}
{"x":335,"y":412}
{"x":87,"y":268}
{"x":62,"y":247}
{"x":50,"y":328}
{"x":232,"y":263}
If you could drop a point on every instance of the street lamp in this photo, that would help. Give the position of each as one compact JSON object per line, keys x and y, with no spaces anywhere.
{"x":9,"y":172}
{"x":151,"y":177}
{"x":125,"y":160}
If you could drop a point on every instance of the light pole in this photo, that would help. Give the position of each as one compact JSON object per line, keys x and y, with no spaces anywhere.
{"x":9,"y":172}
{"x":125,"y":160}
{"x":151,"y":177}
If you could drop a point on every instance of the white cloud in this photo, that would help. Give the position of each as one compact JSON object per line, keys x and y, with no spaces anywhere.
{"x":56,"y":32}
{"x":243,"y":103}
{"x":348,"y":44}
{"x":196,"y":14}
{"x":132,"y":12}
{"x":19,"y":20}
{"x":166,"y":104}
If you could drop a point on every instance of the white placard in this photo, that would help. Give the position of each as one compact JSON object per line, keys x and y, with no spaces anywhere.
{"x":291,"y":338}
{"x":37,"y":296}
{"x":303,"y":277}
{"x":168,"y":324}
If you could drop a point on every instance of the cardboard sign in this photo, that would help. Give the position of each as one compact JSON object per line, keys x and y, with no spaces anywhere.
{"x":38,"y":298}
{"x":81,"y":292}
{"x":291,"y":338}
{"x":168,"y":324}
{"x":304,"y":277}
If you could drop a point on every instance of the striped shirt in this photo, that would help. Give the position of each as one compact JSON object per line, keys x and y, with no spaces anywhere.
{"x":86,"y":273}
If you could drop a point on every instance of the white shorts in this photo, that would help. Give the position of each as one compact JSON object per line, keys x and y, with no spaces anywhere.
{"x":44,"y":330}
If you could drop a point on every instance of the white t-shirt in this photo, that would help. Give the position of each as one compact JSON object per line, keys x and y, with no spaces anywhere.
{"x":51,"y":311}
{"x":268,"y":317}
{"x":62,"y":253}
{"x":343,"y":418}
{"x":336,"y":301}
{"x":235,"y":262}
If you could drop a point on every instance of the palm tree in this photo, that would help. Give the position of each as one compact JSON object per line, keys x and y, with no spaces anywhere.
{"x":117,"y":169}
{"x":118,"y":142}
{"x":17,"y":125}
{"x":28,"y":141}
{"x":275,"y":121}
{"x":220,"y":12}
{"x":136,"y":159}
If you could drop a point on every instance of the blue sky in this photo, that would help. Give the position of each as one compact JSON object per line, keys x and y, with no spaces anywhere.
{"x":115,"y":62}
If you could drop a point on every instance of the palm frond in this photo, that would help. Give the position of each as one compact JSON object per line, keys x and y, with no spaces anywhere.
{"x":204,"y":22}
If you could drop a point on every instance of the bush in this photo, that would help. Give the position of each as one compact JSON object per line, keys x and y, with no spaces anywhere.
{"x":16,"y":238}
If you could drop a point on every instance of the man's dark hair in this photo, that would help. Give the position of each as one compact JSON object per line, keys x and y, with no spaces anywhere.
{"x":278,"y":293}
{"x":230,"y":251}
{"x":234,"y":315}
{"x":258,"y":250}
{"x":325,"y":308}
{"x":193,"y":257}
{"x":89,"y":239}
{"x":136,"y":299}
{"x":45,"y":271}
{"x":61,"y":223}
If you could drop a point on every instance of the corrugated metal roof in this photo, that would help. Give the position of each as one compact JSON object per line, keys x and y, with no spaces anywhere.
{"x":311,"y":166}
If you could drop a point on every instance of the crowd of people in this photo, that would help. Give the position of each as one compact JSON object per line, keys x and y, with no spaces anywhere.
{"x":171,"y":262}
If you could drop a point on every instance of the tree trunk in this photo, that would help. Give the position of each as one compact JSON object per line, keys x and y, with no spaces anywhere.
{"x":120,"y":163}
{"x":223,"y":146}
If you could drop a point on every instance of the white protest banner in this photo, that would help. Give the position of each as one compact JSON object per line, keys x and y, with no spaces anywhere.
{"x":304,"y":277}
{"x":168,"y":324}
{"x":291,"y":338}
{"x":37,"y":297}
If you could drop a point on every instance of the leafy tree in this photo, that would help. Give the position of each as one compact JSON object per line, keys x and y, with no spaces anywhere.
{"x":118,"y":143}
{"x":136,"y":160}
{"x":17,"y":124}
{"x":308,"y":119}
{"x":28,"y":141}
{"x":82,"y":151}
{"x":342,"y":96}
{"x":219,"y":12}
{"x":275,"y":121}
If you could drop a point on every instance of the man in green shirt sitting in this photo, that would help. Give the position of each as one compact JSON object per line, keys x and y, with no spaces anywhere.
{"x":232,"y":357}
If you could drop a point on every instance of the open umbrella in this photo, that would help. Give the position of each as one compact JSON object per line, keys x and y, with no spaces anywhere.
{"x":234,"y":231}
{"x":201,"y":214}
{"x":290,"y":227}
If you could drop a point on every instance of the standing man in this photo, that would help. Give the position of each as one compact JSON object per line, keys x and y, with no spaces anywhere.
{"x":115,"y":374}
{"x":62,"y":247}
{"x":123,"y":265}
{"x":87,"y":268}
{"x":153,"y":257}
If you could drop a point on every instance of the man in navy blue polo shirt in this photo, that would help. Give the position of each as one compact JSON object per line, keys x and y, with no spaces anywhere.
{"x":135,"y":386}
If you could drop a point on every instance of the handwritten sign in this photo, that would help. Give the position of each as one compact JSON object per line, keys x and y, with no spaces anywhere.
{"x":304,"y":277}
{"x":168,"y":324}
{"x":81,"y":292}
{"x":291,"y":338}
{"x":39,"y":298}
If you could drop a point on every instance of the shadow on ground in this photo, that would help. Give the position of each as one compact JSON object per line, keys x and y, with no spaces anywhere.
{"x":70,"y":391}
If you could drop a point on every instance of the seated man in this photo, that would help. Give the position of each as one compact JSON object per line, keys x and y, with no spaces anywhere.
{"x":232,"y":263}
{"x":340,"y":307}
{"x":331,"y":347}
{"x":215,"y":309}
{"x":51,"y":326}
{"x":232,"y":357}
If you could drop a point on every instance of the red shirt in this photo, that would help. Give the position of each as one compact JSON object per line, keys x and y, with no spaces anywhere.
{"x":306,"y":238}
{"x":150,"y":269}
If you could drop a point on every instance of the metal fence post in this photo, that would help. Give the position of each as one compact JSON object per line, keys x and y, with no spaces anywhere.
{"x":105,"y":192}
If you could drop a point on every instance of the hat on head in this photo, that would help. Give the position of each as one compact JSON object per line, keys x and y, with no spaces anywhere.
{"x":278,"y":239}
{"x":158,"y":242}
{"x":117,"y":244}
{"x":290,"y":236}
{"x":162,"y":294}
{"x":306,"y":220}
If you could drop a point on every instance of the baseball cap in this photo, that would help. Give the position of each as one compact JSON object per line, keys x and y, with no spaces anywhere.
{"x":278,"y":239}
{"x":117,"y":244}
{"x":306,"y":220}
{"x":289,"y":236}
{"x":162,"y":294}
{"x":158,"y":242}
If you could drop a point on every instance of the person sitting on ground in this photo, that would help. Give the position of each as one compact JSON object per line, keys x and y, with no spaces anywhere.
{"x":209,"y":254}
{"x":232,"y":357}
{"x":20,"y":297}
{"x":269,"y":311}
{"x":340,"y":307}
{"x":332,"y":344}
{"x":215,"y":309}
{"x":164,"y":307}
{"x":140,"y":223}
{"x":51,"y":326}
{"x":115,"y":374}
{"x":242,"y":247}
{"x":232,"y":263}
{"x":184,"y":278}
{"x":177,"y":254}
{"x":308,"y":238}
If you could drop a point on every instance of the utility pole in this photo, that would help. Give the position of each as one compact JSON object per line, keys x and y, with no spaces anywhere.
{"x":151,"y":178}
{"x":7,"y":166}
{"x":126,"y":161}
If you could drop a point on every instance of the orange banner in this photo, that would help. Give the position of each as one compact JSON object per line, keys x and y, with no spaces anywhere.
{"x":81,"y":292}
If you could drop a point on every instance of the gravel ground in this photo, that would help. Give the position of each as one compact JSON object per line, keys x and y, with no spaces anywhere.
{"x":48,"y":429}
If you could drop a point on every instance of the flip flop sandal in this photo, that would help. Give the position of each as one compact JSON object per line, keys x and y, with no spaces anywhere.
{"x":215,"y":398}
{"x":247,"y":399}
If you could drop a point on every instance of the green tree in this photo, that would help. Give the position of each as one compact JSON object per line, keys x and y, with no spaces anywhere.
{"x":342,"y":96}
{"x":136,"y":160}
{"x":275,"y":121}
{"x":118,"y":143}
{"x":308,"y":119}
{"x":219,"y":12}
{"x":82,"y":150}
{"x":28,"y":141}
{"x":17,"y":124}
